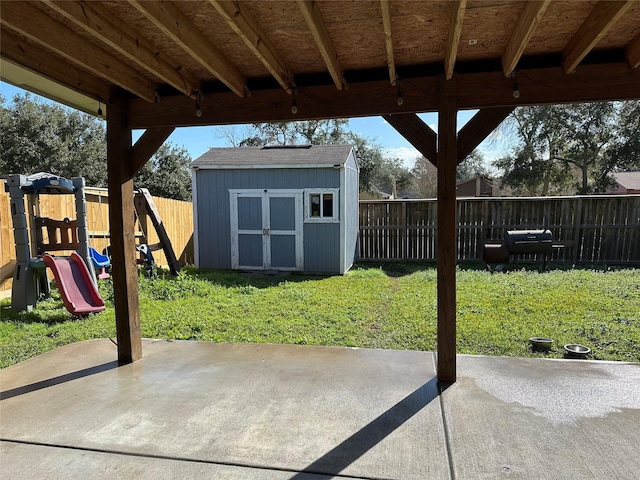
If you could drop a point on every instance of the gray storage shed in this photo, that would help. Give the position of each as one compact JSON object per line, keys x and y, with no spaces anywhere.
{"x":276,"y":208}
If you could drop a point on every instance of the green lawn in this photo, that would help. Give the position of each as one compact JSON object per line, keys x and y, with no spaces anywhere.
{"x":375,"y":307}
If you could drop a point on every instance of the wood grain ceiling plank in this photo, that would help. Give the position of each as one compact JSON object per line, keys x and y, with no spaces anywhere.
{"x":596,"y":25}
{"x":632,"y":51}
{"x":253,"y":35}
{"x":522,"y":33}
{"x":175,"y":24}
{"x":94,"y":19}
{"x":453,"y":40}
{"x":20,"y":52}
{"x":40,"y":28}
{"x":315,"y":22}
{"x":388,"y":40}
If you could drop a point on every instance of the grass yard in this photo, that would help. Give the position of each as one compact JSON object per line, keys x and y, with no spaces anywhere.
{"x":373,"y":307}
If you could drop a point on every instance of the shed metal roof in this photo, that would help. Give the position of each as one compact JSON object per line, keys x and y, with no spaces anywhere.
{"x":280,"y":156}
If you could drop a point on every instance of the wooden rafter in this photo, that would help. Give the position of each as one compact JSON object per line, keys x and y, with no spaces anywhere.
{"x":315,"y":22}
{"x":175,"y":24}
{"x":253,"y":35}
{"x":94,"y":19}
{"x":388,"y":40}
{"x":633,"y":52}
{"x":22,"y":53}
{"x":596,"y":25}
{"x":478,"y":128}
{"x":38,"y":27}
{"x":417,"y":133}
{"x":455,"y":31}
{"x":525,"y":26}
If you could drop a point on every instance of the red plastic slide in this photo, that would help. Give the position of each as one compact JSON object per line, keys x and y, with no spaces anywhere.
{"x":79,"y":294}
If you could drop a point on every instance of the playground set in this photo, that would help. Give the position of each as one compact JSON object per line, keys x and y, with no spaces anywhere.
{"x":75,"y":274}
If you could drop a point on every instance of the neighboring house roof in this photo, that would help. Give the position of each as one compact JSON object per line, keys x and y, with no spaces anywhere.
{"x":274,"y":156}
{"x":478,"y":186}
{"x":628,"y":180}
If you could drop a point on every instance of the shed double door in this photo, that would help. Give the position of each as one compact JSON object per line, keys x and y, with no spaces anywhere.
{"x":266,"y":229}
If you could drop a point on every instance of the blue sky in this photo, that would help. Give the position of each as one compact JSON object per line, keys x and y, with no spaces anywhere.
{"x":197,"y":140}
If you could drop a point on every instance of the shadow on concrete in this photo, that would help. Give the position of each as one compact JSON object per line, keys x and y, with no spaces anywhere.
{"x":354,"y":447}
{"x":50,"y":382}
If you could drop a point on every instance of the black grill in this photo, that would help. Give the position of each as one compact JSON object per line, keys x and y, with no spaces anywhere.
{"x":529,"y":241}
{"x":520,"y":242}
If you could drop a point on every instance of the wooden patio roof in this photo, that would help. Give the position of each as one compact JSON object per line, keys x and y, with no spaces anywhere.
{"x":247,"y":61}
{"x":159,"y":65}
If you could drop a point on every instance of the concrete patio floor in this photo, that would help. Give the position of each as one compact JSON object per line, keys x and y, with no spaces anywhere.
{"x":238,"y":411}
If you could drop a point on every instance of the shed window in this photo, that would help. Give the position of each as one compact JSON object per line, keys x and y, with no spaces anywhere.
{"x":321,"y":206}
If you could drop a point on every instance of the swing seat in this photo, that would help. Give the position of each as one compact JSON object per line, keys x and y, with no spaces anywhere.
{"x":98,"y":259}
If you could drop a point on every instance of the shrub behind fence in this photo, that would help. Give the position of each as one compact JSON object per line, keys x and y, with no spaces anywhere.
{"x":586,"y":229}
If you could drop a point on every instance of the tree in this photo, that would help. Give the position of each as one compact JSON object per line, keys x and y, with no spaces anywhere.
{"x":472,"y":166}
{"x":425,"y":177}
{"x":44,"y":137}
{"x":624,"y":150}
{"x":563,"y":145}
{"x":370,"y":156}
{"x":591,"y":131}
{"x":425,"y":173}
{"x":167,"y":174}
{"x":316,"y":132}
{"x":391,"y":176}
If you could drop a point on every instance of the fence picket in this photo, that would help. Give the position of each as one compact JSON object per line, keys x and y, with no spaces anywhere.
{"x":586,"y":229}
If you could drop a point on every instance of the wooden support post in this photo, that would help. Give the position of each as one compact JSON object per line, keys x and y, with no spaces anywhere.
{"x":123,"y":249}
{"x":446,"y":247}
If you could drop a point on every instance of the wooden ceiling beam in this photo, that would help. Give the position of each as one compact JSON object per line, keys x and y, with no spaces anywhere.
{"x":592,"y":83}
{"x":315,"y":22}
{"x":388,"y":40}
{"x":177,"y":26}
{"x":480,"y":127}
{"x":522,"y":33}
{"x":417,"y":133}
{"x":633,"y":52}
{"x":94,"y":19}
{"x":253,"y":35}
{"x":20,"y":52}
{"x":603,"y":16}
{"x":40,"y":28}
{"x":453,"y":40}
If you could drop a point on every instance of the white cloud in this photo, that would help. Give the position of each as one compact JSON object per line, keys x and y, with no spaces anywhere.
{"x":406,"y":154}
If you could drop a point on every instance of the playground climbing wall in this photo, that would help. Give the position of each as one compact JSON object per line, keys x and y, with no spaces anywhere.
{"x":177,"y":217}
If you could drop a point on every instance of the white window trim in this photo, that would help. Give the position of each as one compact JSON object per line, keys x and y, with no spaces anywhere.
{"x":321,"y":191}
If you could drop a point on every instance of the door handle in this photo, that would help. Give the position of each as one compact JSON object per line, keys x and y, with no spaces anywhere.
{"x":265,"y":232}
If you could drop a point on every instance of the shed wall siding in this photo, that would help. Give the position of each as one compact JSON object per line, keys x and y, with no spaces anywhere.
{"x":214,"y":236}
{"x":322,"y":247}
{"x":352,"y":221}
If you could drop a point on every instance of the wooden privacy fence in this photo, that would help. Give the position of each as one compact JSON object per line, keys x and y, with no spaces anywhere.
{"x":177,"y":217}
{"x":586,"y":229}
